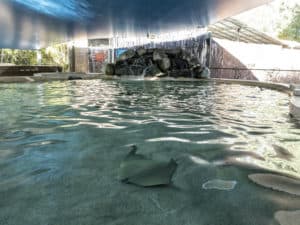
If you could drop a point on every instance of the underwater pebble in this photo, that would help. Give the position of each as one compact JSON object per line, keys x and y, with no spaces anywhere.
{"x":222,"y":185}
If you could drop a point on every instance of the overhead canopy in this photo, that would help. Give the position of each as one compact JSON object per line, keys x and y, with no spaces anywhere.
{"x":234,"y":30}
{"x":37,"y":23}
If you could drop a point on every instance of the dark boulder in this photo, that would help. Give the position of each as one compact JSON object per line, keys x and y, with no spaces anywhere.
{"x":179,"y":64}
{"x":194,"y":61}
{"x":110,"y":69}
{"x":174,"y":52}
{"x":122,"y":71}
{"x":151,"y":71}
{"x":164,"y":64}
{"x":205,"y":73}
{"x":180,"y":73}
{"x":141,"y":51}
{"x":159,"y":54}
{"x":136,"y":70}
{"x":74,"y":78}
{"x":157,"y":62}
{"x":127,"y":55}
{"x":201,"y":72}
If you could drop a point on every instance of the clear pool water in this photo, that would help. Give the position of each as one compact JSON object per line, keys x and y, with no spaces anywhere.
{"x":61,"y":145}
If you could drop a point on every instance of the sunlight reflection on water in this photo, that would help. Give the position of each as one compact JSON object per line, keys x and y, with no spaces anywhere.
{"x":61,"y":144}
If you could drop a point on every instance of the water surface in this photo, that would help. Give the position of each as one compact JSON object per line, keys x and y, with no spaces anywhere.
{"x":61,"y":144}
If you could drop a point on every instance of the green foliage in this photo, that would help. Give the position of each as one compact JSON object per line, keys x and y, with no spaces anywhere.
{"x":53,"y":55}
{"x":18,"y":57}
{"x":292,"y":30}
{"x":56,"y":55}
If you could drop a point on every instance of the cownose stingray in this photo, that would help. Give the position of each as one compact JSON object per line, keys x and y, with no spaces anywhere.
{"x":282,"y":153}
{"x":139,"y":170}
{"x":288,"y":217}
{"x":277,"y":182}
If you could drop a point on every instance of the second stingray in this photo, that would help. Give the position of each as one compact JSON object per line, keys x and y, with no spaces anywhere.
{"x":139,"y":170}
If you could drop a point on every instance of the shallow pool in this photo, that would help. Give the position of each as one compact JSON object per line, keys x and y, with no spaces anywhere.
{"x":61,"y":144}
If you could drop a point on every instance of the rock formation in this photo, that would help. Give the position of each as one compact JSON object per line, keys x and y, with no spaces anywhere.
{"x":158,"y":62}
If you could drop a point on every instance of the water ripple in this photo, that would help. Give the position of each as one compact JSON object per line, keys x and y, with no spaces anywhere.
{"x":61,"y":144}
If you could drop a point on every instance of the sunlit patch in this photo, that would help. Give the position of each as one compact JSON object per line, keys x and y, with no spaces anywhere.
{"x":199,"y":161}
{"x":222,"y":185}
{"x":98,"y":125}
{"x":162,"y":139}
{"x":67,"y":9}
{"x":191,"y":132}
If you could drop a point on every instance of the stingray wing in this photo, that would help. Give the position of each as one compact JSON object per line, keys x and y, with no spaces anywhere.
{"x":154,"y":174}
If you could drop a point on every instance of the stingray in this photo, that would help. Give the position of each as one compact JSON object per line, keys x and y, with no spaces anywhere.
{"x":288,"y":217}
{"x":139,"y":170}
{"x":223,"y":185}
{"x":277,"y":183}
{"x":282,"y":152}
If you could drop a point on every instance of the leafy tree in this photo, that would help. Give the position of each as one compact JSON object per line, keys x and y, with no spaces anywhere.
{"x":292,"y":30}
{"x":53,"y":55}
{"x":18,"y":57}
{"x":56,"y":55}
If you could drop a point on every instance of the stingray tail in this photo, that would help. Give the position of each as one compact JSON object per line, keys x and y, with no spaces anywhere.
{"x":133,"y":150}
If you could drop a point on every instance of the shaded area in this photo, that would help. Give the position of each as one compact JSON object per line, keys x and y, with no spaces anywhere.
{"x":27,"y":70}
{"x":33,"y":24}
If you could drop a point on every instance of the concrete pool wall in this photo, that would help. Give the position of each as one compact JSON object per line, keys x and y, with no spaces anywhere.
{"x":14,"y":70}
{"x":295,"y":102}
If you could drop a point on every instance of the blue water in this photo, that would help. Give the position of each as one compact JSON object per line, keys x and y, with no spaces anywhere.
{"x":61,"y":144}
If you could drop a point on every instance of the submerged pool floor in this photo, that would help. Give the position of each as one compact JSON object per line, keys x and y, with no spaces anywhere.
{"x":61,"y":145}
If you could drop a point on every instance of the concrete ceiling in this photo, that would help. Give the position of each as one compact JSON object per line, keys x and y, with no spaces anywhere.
{"x":33,"y":24}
